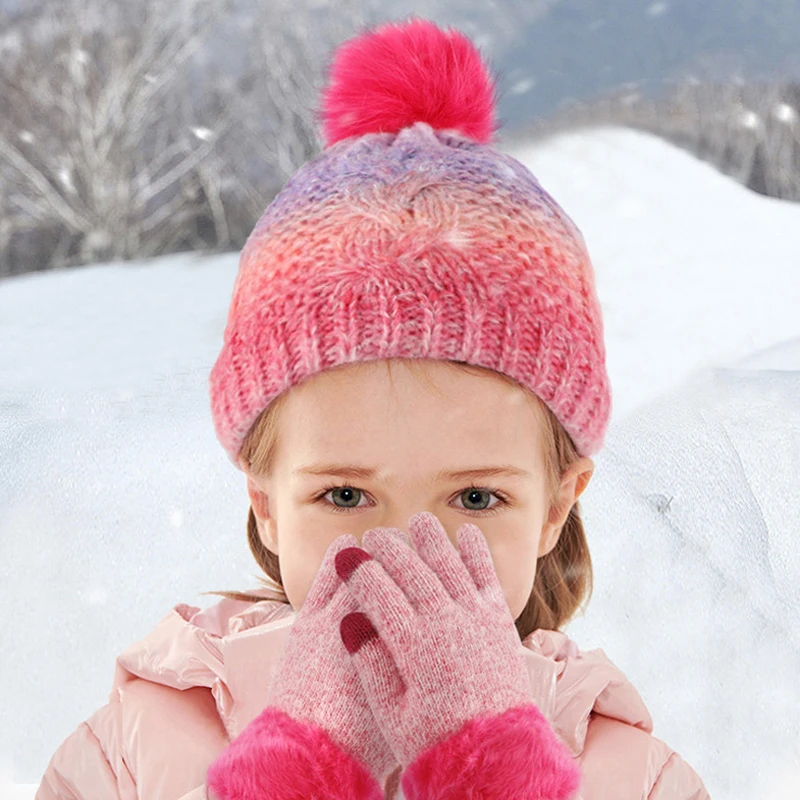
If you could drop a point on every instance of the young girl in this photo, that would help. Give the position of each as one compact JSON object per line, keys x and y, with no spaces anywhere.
{"x":413,"y":381}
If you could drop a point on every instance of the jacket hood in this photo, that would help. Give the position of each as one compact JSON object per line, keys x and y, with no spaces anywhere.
{"x":233,"y":648}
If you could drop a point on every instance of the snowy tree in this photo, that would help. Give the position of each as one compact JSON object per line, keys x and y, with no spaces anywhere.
{"x":750,"y":131}
{"x":101,"y":132}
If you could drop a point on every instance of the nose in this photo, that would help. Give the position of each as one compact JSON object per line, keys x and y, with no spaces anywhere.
{"x":394,"y":521}
{"x":398,"y":531}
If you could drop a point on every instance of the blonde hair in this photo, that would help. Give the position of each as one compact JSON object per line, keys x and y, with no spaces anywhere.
{"x":564,"y":580}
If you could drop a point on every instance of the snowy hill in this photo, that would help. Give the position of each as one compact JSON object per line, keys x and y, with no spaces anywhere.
{"x":116,"y":501}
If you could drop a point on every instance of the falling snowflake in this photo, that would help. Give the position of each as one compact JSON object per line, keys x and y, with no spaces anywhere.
{"x":749,"y":119}
{"x":96,"y":596}
{"x":657,"y":9}
{"x":523,"y":85}
{"x":783,"y":112}
{"x":65,"y":177}
{"x":203,"y":134}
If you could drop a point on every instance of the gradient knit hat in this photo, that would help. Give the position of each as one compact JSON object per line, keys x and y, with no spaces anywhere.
{"x":410,"y":236}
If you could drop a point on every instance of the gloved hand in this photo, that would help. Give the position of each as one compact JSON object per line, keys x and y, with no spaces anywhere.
{"x":317,"y":736}
{"x":444,"y":669}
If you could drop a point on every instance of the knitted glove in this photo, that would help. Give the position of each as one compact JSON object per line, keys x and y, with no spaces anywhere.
{"x":444,"y":669}
{"x":317,"y":736}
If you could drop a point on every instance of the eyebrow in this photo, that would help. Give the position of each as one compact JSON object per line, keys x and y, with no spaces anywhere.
{"x":365,"y":473}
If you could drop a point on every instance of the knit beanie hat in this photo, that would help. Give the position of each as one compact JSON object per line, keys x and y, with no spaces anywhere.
{"x":410,"y":236}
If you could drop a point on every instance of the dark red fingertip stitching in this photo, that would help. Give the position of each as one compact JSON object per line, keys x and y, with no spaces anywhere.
{"x":347,"y":561}
{"x":356,"y":630}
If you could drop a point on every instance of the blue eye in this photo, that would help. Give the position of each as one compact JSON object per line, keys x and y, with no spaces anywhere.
{"x":350,"y":496}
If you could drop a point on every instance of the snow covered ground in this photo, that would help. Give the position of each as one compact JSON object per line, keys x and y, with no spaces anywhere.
{"x":116,"y":501}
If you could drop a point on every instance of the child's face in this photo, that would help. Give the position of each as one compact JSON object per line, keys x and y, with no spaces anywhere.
{"x":407,"y":432}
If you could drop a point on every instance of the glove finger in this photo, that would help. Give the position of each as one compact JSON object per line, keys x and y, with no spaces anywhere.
{"x":380,"y":678}
{"x":378,"y":596}
{"x":407,"y":570}
{"x":342,"y":603}
{"x":477,"y":558}
{"x":326,"y":582}
{"x":434,"y":547}
{"x":397,"y":533}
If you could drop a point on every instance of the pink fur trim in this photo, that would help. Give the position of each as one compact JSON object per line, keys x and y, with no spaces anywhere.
{"x":279,"y":758}
{"x":511,"y":755}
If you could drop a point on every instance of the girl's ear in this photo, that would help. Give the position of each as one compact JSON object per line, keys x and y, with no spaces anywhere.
{"x":266,"y":525}
{"x":573,"y":482}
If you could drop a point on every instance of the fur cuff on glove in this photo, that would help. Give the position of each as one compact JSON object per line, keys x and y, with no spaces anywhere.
{"x":277,"y":757}
{"x":511,"y":755}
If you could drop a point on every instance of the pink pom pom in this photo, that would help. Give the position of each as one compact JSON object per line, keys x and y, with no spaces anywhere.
{"x":399,"y":74}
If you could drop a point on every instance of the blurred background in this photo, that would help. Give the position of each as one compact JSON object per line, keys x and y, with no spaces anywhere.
{"x":140,"y":140}
{"x":133,"y":129}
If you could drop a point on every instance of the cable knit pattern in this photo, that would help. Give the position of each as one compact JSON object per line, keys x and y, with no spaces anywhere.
{"x":420,"y":244}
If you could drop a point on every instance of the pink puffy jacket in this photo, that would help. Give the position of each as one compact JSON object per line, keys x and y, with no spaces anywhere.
{"x":192,"y":685}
